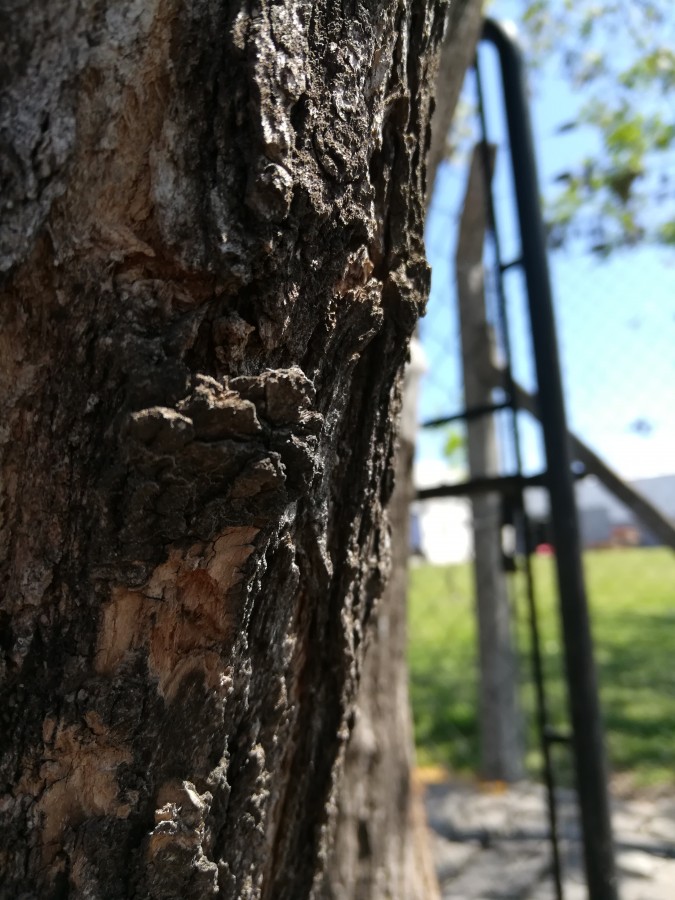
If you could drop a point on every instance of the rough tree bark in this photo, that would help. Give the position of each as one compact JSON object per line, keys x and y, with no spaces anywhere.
{"x":380,"y":848}
{"x":211,"y":246}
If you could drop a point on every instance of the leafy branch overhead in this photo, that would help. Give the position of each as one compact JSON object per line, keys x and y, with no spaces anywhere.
{"x":619,"y":58}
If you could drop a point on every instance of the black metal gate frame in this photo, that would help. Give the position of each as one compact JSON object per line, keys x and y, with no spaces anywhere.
{"x":586,"y":740}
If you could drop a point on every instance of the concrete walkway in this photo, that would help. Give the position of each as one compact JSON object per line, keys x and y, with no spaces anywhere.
{"x":490,"y":845}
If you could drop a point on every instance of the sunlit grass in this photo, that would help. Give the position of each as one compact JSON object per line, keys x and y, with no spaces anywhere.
{"x":632,"y":596}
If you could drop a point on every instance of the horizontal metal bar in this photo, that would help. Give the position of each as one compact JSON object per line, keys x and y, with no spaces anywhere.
{"x":556,"y":737}
{"x":504,"y":267}
{"x":473,"y":412}
{"x":504,"y":484}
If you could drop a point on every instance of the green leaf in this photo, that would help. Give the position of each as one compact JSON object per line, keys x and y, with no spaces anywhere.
{"x":455,"y":444}
{"x":666,"y":233}
{"x":620,"y":59}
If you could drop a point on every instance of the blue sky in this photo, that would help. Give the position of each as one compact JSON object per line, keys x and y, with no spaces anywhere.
{"x":616,"y":317}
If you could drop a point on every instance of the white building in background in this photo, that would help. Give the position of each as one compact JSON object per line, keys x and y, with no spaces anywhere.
{"x":443,"y":526}
{"x":440,"y":529}
{"x":601,"y":515}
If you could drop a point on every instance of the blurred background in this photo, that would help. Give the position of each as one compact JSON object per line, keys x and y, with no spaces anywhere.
{"x":601,"y":78}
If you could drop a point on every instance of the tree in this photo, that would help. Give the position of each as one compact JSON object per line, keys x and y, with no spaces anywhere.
{"x":380,"y":847}
{"x":619,"y":59}
{"x":212,"y":252}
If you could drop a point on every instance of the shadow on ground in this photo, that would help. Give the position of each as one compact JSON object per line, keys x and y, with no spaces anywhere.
{"x":493,"y":844}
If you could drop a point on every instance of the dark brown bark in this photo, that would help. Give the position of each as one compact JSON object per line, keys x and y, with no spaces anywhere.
{"x":380,"y":848}
{"x":211,"y":242}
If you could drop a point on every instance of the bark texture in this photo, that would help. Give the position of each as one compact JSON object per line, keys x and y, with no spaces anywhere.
{"x":211,"y":247}
{"x":381,"y":849}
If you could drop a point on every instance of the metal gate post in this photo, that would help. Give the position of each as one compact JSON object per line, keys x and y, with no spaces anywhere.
{"x":587,"y":738}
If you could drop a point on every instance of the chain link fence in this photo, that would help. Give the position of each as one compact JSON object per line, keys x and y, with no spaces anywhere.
{"x":616,"y":328}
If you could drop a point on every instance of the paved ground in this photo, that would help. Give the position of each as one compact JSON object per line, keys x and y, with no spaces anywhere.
{"x":493,"y":846}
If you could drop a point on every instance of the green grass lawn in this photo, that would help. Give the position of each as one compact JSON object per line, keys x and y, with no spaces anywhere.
{"x":632,"y":596}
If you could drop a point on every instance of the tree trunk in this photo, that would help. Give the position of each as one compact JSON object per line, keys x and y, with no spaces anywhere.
{"x":380,"y":849}
{"x":211,"y":243}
